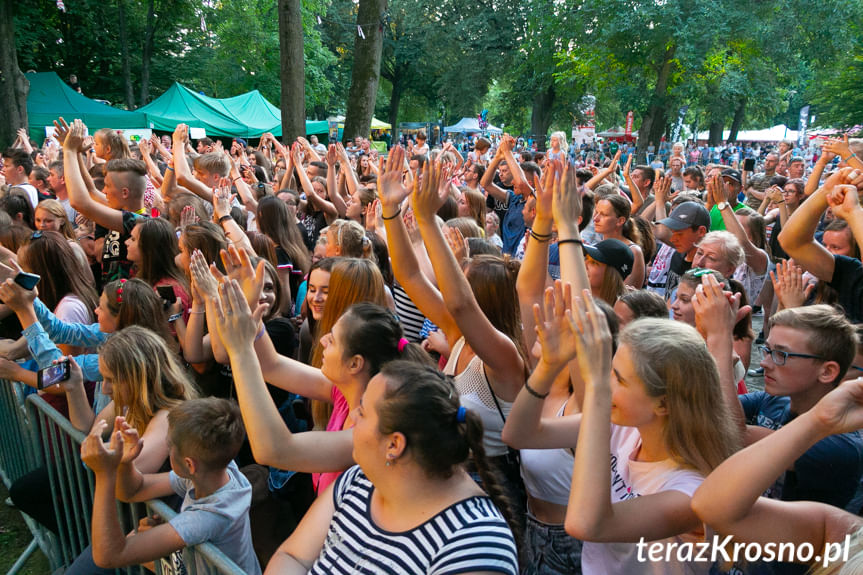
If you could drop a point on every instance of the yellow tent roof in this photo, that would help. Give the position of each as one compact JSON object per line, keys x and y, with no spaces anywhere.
{"x":376,"y":124}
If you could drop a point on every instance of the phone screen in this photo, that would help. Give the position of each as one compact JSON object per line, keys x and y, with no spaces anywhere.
{"x":53,"y":375}
{"x":167,"y":294}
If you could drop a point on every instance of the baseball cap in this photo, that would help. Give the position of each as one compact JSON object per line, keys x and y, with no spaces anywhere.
{"x":687,"y":215}
{"x":733,"y":174}
{"x":612,"y":253}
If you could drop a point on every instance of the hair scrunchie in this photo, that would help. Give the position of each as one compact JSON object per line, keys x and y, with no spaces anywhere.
{"x":461,"y":414}
{"x":402,"y":344}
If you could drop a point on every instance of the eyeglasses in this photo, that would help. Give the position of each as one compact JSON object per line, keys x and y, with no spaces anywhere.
{"x":779,"y":357}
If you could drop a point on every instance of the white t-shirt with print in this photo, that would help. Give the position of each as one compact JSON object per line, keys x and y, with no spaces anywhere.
{"x":630,"y":479}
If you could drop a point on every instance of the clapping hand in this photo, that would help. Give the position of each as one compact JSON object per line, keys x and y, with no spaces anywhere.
{"x":789,"y":286}
{"x":553,"y":329}
{"x":427,"y":198}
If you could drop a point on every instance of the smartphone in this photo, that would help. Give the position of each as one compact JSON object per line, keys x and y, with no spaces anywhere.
{"x":749,"y":165}
{"x":27,"y":281}
{"x":53,"y":375}
{"x":167,"y":294}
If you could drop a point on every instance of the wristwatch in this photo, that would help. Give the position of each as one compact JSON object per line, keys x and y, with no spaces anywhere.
{"x":721,"y":206}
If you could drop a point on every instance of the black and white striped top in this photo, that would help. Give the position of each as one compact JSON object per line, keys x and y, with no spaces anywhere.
{"x":468,"y":536}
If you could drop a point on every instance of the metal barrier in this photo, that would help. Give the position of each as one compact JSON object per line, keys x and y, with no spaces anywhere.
{"x":33,"y":434}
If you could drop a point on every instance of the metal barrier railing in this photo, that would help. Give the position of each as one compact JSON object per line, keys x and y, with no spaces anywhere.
{"x":34,"y":434}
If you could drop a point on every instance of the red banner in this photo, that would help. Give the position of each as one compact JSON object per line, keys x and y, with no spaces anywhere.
{"x":629,"y":124}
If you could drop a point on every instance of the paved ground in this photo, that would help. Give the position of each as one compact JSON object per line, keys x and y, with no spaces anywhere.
{"x":754,"y":383}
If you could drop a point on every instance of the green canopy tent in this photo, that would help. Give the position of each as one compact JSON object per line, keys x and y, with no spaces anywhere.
{"x":248,"y":115}
{"x":50,"y":97}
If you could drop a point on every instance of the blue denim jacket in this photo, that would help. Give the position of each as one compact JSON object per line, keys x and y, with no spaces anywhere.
{"x":68,"y":333}
{"x":44,"y":352}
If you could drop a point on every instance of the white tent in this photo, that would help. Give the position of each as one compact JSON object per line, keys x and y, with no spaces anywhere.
{"x":470,"y":126}
{"x":774,"y":134}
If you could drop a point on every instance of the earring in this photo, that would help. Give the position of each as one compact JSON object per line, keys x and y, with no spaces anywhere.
{"x":389,"y":460}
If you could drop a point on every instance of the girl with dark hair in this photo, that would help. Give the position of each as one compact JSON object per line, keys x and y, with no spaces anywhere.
{"x":410,"y":440}
{"x":153,"y":247}
{"x":275,"y":221}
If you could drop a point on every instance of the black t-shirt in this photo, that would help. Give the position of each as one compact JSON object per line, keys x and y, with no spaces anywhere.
{"x":676,"y":268}
{"x":499,"y":207}
{"x":115,"y":263}
{"x":848,"y":281}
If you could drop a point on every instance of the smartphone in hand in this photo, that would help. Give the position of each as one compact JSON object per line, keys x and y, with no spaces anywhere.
{"x":53,"y":375}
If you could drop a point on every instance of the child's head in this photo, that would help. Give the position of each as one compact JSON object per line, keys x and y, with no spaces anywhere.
{"x":131,"y":302}
{"x":667,"y":363}
{"x":111,"y":145}
{"x":817,"y":330}
{"x":50,"y":215}
{"x":641,"y":303}
{"x":210,"y":167}
{"x":142,"y":374}
{"x":205,"y":435}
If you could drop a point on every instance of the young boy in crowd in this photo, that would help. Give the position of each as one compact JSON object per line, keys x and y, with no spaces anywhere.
{"x":807,"y":354}
{"x":204,"y":436}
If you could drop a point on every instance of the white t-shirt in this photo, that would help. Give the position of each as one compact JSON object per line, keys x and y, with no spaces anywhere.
{"x":631,"y":479}
{"x":32,"y":195}
{"x":71,"y":309}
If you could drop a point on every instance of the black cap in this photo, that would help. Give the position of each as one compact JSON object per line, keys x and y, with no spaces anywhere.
{"x":612,"y":253}
{"x":732,"y":174}
{"x":687,"y":215}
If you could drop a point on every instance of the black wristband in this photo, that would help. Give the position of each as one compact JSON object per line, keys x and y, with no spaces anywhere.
{"x":570,"y":241}
{"x":534,"y":392}
{"x":224,"y":218}
{"x":392,"y":217}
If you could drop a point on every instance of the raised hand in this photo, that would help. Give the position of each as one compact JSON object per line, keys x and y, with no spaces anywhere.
{"x":427,"y":199}
{"x":61,"y":130}
{"x":457,"y":244}
{"x":16,"y":297}
{"x":74,"y":141}
{"x":553,"y":329}
{"x":593,"y":340}
{"x":98,"y":456}
{"x":203,"y":281}
{"x":844,"y":201}
{"x":544,"y":189}
{"x":789,"y":286}
{"x":566,"y":200}
{"x":181,"y":133}
{"x":238,"y":264}
{"x":236,"y":323}
{"x":715,"y":310}
{"x":132,"y":442}
{"x":332,"y":155}
{"x":188,"y":217}
{"x":838,"y":147}
{"x":222,"y":199}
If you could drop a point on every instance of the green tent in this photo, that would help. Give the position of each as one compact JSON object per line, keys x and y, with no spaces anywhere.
{"x":50,"y":97}
{"x":248,"y":115}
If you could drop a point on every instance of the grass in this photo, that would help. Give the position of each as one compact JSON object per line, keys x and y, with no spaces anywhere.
{"x":14,"y":539}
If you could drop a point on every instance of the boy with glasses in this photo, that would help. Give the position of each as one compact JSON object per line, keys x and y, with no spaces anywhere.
{"x":808,"y":352}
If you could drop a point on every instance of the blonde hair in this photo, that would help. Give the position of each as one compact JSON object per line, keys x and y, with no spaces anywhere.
{"x":672,"y":361}
{"x":155,"y":380}
{"x":117,"y":146}
{"x":853,"y":566}
{"x":612,"y":284}
{"x":57,"y":210}
{"x":351,"y":239}
{"x":561,"y":137}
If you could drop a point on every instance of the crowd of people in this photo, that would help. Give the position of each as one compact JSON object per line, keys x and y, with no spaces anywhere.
{"x":439,"y":361}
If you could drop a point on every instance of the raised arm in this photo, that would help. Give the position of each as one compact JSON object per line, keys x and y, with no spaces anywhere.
{"x":590,"y":515}
{"x":797,"y":237}
{"x":845,"y":203}
{"x":312,"y":196}
{"x":181,"y":167}
{"x":406,"y":267}
{"x":600,"y":175}
{"x":272,"y":442}
{"x":737,"y":508}
{"x":497,"y":351}
{"x":79,"y":197}
{"x":525,"y":427}
{"x":756,"y":258}
{"x":566,"y":209}
{"x":349,"y":174}
{"x":487,"y":181}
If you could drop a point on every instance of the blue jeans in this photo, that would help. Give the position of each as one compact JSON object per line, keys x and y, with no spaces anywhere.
{"x":550,"y":550}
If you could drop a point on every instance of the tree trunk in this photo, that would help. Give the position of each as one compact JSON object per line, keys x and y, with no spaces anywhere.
{"x":653,"y":123}
{"x":540,"y":115}
{"x":124,"y":55}
{"x":147,"y":52}
{"x":714,"y":137}
{"x":395,"y":98}
{"x":13,"y":84}
{"x":293,"y":98}
{"x":366,"y":71}
{"x":739,"y":115}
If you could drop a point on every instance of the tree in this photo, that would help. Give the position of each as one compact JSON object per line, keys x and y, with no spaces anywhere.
{"x":366,"y":70}
{"x":13,"y":85}
{"x":293,"y":100}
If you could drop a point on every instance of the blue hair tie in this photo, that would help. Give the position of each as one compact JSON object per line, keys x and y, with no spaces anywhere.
{"x":461,"y":415}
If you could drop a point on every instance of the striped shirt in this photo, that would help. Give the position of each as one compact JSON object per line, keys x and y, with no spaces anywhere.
{"x":470,"y":535}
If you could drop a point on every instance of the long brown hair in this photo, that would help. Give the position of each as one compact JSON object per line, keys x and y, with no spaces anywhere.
{"x":275,"y":220}
{"x":672,"y":361}
{"x":49,"y":255}
{"x":492,"y":280}
{"x":135,"y":302}
{"x":352,"y":280}
{"x":158,"y":245}
{"x":141,"y":360}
